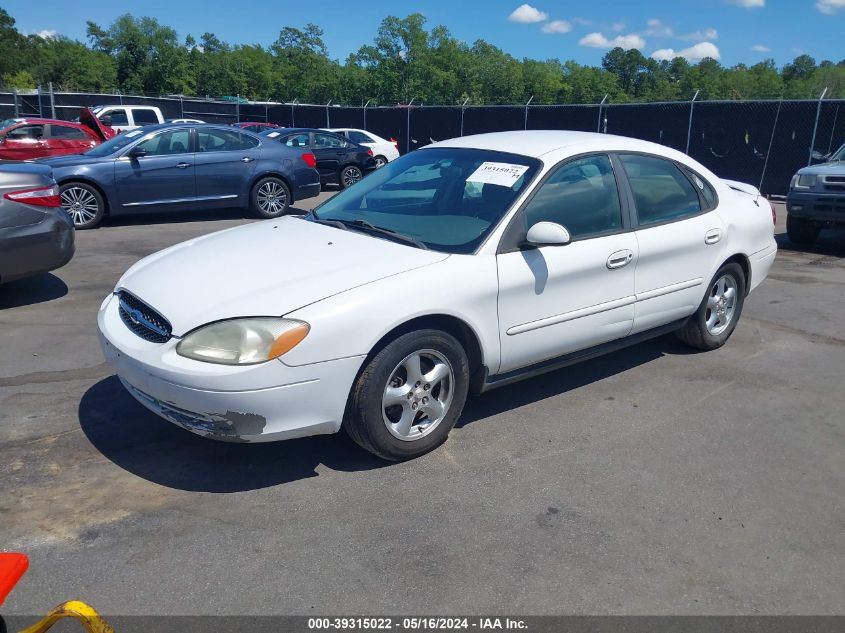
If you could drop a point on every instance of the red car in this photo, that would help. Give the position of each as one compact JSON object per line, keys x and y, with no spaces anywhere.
{"x":25,"y":138}
{"x":255,"y":126}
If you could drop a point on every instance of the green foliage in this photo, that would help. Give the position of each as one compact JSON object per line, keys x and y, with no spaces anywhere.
{"x":406,"y":60}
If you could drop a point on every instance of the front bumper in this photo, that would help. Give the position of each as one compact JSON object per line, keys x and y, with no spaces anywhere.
{"x":256,"y":403}
{"x":828,"y":208}
{"x":36,"y":248}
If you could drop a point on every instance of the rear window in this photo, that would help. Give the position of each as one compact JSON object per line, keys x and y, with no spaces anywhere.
{"x":144,"y":117}
{"x":67,"y":132}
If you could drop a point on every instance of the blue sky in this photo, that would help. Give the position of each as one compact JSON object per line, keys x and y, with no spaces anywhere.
{"x":735,"y":31}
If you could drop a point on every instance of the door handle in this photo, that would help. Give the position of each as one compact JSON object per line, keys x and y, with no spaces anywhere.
{"x":183,"y":165}
{"x":247,"y":159}
{"x":712,"y":236}
{"x":620,"y":259}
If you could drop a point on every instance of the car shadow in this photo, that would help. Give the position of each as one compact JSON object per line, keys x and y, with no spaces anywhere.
{"x":149,"y":447}
{"x":140,"y":219}
{"x":31,"y":290}
{"x":830,"y":242}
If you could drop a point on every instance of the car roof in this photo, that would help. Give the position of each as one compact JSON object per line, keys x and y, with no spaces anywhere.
{"x":39,"y":121}
{"x":536,"y":143}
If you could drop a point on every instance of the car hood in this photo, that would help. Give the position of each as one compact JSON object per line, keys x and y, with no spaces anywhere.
{"x":836,"y":167}
{"x":266,"y":268}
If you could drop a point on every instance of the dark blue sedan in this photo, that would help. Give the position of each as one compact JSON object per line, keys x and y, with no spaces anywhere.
{"x":183,"y":167}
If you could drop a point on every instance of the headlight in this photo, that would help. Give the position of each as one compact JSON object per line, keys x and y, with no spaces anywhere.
{"x":243,"y":341}
{"x":803,"y":181}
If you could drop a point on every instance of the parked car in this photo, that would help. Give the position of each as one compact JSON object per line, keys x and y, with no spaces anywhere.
{"x":339,"y":160}
{"x":466,"y":265}
{"x":181,"y":167}
{"x":184,"y":121}
{"x":256,"y":126}
{"x":128,"y":117}
{"x":36,"y":235}
{"x":384,"y":151}
{"x":816,"y":199}
{"x":28,"y":138}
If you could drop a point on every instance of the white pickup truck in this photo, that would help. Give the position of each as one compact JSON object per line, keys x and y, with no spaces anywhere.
{"x":127,"y":117}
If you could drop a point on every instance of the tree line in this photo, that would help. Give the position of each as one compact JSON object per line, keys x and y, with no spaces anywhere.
{"x":406,"y":60}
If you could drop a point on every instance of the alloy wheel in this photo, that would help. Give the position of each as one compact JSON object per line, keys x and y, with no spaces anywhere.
{"x":721,"y":305}
{"x":271,"y":198}
{"x":80,"y":204}
{"x":418,"y":395}
{"x":351,"y":175}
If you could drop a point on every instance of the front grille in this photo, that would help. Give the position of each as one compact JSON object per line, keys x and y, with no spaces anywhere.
{"x":142,"y":319}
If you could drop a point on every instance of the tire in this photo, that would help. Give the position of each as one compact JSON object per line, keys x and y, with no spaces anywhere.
{"x":407,"y":428}
{"x":800,"y":231}
{"x":83,"y":203}
{"x":270,"y":198}
{"x":381,"y":161}
{"x":716,"y":318}
{"x":349,"y":175}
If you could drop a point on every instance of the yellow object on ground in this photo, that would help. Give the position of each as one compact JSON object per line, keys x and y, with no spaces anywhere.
{"x":84,"y":614}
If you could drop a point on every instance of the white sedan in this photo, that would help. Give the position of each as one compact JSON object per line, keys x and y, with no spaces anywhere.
{"x":384,"y":151}
{"x":463,"y":266}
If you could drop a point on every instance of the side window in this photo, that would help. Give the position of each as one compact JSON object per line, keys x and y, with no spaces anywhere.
{"x":328,"y":140}
{"x":358,"y":137}
{"x":662,"y":192}
{"x":114,"y":117}
{"x":297,"y":140}
{"x":144,"y":117}
{"x":171,"y":142}
{"x":580,"y":195}
{"x":26,"y":133}
{"x":217,"y":140}
{"x":66,"y":132}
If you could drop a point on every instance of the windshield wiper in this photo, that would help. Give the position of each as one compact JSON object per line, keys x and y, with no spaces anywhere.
{"x":378,"y":230}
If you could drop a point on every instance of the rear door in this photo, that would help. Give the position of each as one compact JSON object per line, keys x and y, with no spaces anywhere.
{"x":225,"y":162}
{"x":679,"y":236}
{"x":164,"y":176}
{"x":144,"y":116}
{"x":68,"y":139}
{"x":331,"y":151}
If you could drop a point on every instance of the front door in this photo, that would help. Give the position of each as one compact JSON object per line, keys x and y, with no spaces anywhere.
{"x":24,"y":142}
{"x":225,"y":162}
{"x":163,"y":176}
{"x":555,"y":300}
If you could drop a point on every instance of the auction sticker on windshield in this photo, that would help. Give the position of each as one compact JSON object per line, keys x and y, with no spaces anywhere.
{"x":503,"y":174}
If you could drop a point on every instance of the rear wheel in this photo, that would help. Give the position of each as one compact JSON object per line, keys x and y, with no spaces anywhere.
{"x":409,"y":395}
{"x":381,"y":161}
{"x":716,"y":318}
{"x":83,"y":203}
{"x":270,"y":197}
{"x":349,"y":175}
{"x":800,"y":231}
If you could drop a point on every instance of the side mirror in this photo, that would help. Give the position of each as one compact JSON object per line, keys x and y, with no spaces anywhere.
{"x":105,"y":120}
{"x":548,"y":234}
{"x":817,"y":155}
{"x":137,"y":152}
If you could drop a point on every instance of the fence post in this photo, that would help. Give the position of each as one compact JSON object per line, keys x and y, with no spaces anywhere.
{"x":40,"y":111}
{"x":408,"y":137}
{"x":52,"y":102}
{"x":463,"y":106}
{"x":17,"y":108}
{"x":833,"y":130}
{"x":365,"y":113}
{"x":771,"y":141}
{"x":120,"y":97}
{"x":598,"y":125}
{"x":292,"y":118}
{"x":181,"y":107}
{"x":816,"y":128}
{"x":525,"y":122}
{"x":238,"y":107}
{"x":328,"y":121}
{"x":689,"y":127}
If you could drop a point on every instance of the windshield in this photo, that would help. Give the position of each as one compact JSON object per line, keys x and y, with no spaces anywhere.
{"x":449,"y":199}
{"x":115,"y":143}
{"x":8,"y":123}
{"x":838,"y":154}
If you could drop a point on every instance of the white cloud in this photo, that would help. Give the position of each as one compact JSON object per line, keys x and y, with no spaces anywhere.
{"x":526,"y":14}
{"x":750,"y":4}
{"x":557,"y":26}
{"x":582,"y":21}
{"x":694,"y":53}
{"x":829,"y":7}
{"x":658,"y":28}
{"x":700,"y":36}
{"x":47,"y":34}
{"x":597,"y":40}
{"x":616,"y":27}
{"x":759,"y":48}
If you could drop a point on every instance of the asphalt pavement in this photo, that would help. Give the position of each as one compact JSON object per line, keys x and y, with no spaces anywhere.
{"x":654,"y":480}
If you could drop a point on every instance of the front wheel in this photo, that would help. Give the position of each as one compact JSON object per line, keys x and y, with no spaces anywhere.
{"x":349,"y":175}
{"x":716,"y":318}
{"x":800,"y":231}
{"x":409,"y":395}
{"x":270,"y":197}
{"x":83,"y":203}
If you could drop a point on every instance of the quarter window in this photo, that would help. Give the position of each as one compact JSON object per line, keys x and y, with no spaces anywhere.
{"x":217,"y":140}
{"x":580,"y":195}
{"x":661,"y":190}
{"x":67,"y":132}
{"x":115,"y":117}
{"x":166,"y":143}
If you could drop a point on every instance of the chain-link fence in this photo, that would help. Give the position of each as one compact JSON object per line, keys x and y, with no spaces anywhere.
{"x":760,"y":142}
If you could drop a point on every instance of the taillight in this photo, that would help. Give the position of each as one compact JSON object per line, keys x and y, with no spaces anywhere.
{"x":370,"y":152}
{"x":310,"y":159}
{"x":395,"y":142}
{"x":774,"y":214}
{"x":40,"y":197}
